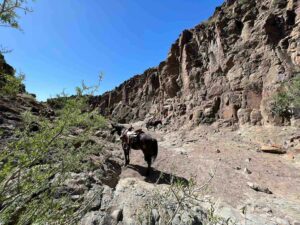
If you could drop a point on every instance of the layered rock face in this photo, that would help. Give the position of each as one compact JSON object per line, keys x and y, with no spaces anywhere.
{"x":226,"y":69}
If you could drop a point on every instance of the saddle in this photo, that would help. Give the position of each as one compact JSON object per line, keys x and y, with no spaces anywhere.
{"x":131,"y":137}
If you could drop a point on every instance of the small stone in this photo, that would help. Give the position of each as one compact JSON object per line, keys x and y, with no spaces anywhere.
{"x":155,"y":216}
{"x":272,"y":149}
{"x":290,"y":156}
{"x":218,"y":151}
{"x":98,"y":133}
{"x":176,"y":220}
{"x":75,"y":197}
{"x":243,"y":209}
{"x":183,"y":153}
{"x":117,"y":214}
{"x":93,"y":217}
{"x":267,"y":210}
{"x":282,"y":221}
{"x":238,"y":168}
{"x":258,"y":188}
{"x":247,"y":160}
{"x":247,"y":171}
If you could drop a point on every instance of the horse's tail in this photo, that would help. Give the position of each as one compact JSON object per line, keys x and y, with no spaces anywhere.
{"x":155,"y":150}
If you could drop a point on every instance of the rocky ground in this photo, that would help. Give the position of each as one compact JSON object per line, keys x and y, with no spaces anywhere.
{"x":244,"y":184}
{"x":245,"y":175}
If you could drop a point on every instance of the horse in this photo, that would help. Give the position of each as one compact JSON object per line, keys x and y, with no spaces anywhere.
{"x":153,"y":123}
{"x":137,"y":140}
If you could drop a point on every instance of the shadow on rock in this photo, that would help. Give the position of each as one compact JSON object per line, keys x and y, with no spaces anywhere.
{"x":158,"y":177}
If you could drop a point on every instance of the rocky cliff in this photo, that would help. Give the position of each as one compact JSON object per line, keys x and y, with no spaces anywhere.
{"x":227,"y":68}
{"x":13,"y":106}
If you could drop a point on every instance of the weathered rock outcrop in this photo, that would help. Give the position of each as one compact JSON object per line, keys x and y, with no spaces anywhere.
{"x":227,"y":68}
{"x":13,"y":106}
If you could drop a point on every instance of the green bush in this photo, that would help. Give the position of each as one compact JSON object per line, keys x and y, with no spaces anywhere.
{"x":288,"y":98}
{"x":13,"y":85}
{"x":29,"y":164}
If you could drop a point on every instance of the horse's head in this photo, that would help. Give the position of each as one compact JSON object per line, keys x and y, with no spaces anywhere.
{"x":117,"y":128}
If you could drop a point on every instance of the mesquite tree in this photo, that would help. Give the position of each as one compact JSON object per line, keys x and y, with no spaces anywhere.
{"x":10,"y":11}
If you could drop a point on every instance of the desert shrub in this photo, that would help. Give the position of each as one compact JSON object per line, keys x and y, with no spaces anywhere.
{"x":288,"y":98}
{"x":12,"y":85}
{"x":34,"y":167}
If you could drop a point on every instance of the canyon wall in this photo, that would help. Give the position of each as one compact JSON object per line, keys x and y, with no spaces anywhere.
{"x":227,"y":69}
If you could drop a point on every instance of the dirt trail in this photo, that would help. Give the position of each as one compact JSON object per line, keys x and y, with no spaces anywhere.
{"x":235,"y":158}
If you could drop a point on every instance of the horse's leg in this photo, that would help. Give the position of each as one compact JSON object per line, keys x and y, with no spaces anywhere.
{"x":127,"y":153}
{"x":126,"y":149}
{"x":149,"y":166}
{"x":148,"y":160}
{"x":125,"y":156}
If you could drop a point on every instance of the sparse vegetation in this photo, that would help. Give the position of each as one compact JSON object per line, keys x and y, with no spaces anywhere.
{"x":34,"y":167}
{"x":12,"y":85}
{"x":288,"y":98}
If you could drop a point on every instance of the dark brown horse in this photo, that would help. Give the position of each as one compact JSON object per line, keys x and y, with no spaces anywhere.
{"x":153,"y":123}
{"x":137,"y":140}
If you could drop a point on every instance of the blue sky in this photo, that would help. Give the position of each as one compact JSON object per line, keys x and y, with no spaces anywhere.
{"x":67,"y":41}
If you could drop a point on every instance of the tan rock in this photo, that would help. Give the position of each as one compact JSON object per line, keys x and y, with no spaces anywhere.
{"x":272,"y":149}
